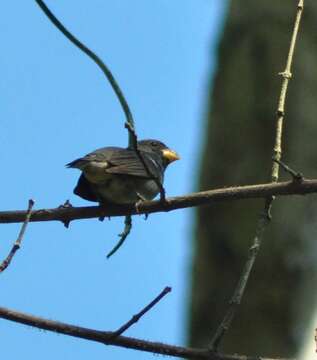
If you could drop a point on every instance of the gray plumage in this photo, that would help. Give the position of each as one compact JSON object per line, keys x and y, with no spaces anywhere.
{"x":116,"y":175}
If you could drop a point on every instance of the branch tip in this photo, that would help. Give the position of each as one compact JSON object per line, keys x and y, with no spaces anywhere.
{"x":126,"y":231}
{"x":135,"y":318}
{"x":17,"y":245}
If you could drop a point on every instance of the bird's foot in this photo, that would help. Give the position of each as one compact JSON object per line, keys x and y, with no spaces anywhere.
{"x":139,"y":202}
{"x":102,"y":205}
{"x":66,"y":205}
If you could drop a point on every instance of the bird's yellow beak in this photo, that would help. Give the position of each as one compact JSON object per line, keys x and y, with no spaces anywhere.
{"x":170,"y":155}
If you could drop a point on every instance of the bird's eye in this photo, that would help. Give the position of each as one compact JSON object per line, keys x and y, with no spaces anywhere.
{"x":154,"y":144}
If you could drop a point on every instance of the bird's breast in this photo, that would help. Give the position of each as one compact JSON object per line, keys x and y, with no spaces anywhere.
{"x":126,"y":189}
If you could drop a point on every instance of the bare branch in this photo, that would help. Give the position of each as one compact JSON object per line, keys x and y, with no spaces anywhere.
{"x":96,"y":59}
{"x":135,"y":318}
{"x":16,"y":246}
{"x":265,"y":217}
{"x":287,"y":75}
{"x":180,"y":202}
{"x":105,"y":337}
{"x":242,"y":283}
{"x":297,"y":176}
{"x":125,"y":233}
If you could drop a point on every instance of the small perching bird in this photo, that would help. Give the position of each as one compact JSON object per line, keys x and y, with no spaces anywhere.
{"x":117,"y":175}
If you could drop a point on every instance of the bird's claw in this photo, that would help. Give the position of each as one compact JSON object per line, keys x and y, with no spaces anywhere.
{"x":67,"y":204}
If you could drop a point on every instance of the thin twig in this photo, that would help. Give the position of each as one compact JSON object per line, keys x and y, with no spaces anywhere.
{"x":96,"y":59}
{"x":123,"y":235}
{"x":104,"y":337}
{"x":201,"y":198}
{"x":135,"y":318}
{"x":239,"y":290}
{"x":287,"y":75}
{"x":297,"y":176}
{"x":16,"y":246}
{"x":265,"y":217}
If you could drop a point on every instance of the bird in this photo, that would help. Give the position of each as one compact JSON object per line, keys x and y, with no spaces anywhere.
{"x":115,"y":175}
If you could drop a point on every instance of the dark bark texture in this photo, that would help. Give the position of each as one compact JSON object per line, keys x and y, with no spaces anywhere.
{"x":237,"y":150}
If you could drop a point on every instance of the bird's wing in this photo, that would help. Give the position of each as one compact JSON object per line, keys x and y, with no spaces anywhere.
{"x":99,"y":155}
{"x":123,"y":161}
{"x":127,"y":162}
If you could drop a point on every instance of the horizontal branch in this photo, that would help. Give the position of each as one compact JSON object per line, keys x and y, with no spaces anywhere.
{"x":67,"y":214}
{"x":107,"y":338}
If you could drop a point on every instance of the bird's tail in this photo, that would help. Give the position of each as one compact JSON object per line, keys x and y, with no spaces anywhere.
{"x":77,"y":164}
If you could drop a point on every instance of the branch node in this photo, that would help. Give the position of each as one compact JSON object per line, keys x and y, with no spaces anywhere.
{"x":285,"y":74}
{"x":296,"y":176}
{"x":280,"y":113}
{"x":254,"y":247}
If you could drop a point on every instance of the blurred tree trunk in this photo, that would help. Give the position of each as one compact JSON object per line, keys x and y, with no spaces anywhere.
{"x":238,"y":149}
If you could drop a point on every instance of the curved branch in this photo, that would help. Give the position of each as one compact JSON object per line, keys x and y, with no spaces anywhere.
{"x":179,"y":202}
{"x":96,"y":59}
{"x":107,"y":338}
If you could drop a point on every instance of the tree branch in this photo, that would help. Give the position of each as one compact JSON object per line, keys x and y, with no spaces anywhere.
{"x":96,"y":59}
{"x":135,"y":318}
{"x":125,"y":233}
{"x":134,"y":144}
{"x":173,"y":203}
{"x":106,"y":338}
{"x":16,"y":246}
{"x":287,"y":75}
{"x":265,"y":216}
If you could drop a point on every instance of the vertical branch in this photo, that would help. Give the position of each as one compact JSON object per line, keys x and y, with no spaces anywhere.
{"x":133,"y":138}
{"x":265,"y":216}
{"x":287,"y":75}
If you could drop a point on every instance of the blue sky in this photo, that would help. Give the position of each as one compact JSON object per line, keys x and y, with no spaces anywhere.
{"x":55,"y":106}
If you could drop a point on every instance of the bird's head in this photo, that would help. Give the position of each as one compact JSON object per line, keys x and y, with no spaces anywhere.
{"x":156,"y":146}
